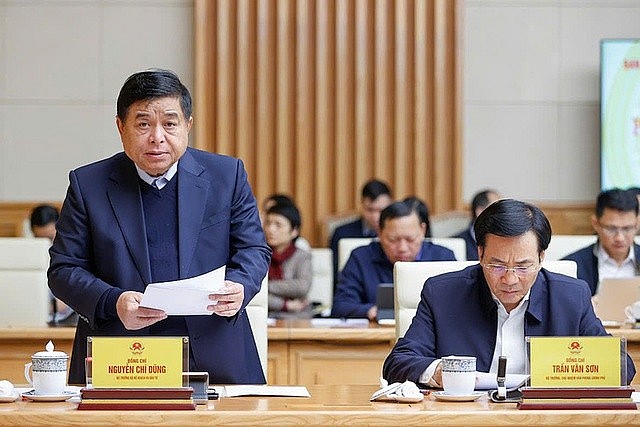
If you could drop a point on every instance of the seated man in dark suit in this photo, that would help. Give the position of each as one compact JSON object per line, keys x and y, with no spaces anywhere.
{"x":401,"y":239}
{"x":376,"y":196}
{"x":616,"y":223}
{"x":487,"y":310}
{"x":479,"y":203}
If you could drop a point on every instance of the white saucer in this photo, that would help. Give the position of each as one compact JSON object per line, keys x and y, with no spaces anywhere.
{"x":31,"y":395}
{"x":9,"y":399}
{"x":441,"y":395}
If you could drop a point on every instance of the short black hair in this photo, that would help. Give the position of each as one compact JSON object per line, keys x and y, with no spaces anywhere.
{"x":634,"y":190}
{"x":481,"y":200}
{"x":43,"y":214}
{"x":512,"y":218}
{"x":398,"y":210}
{"x":615,"y":198}
{"x":278,"y":199}
{"x":375,"y":188}
{"x":422,"y":209}
{"x":150,"y":84}
{"x":289,"y":211}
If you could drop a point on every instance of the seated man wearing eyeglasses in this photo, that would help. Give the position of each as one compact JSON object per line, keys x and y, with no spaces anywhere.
{"x":616,"y":222}
{"x":487,"y":310}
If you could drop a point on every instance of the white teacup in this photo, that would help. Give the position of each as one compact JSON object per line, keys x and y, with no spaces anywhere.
{"x":633,"y":311}
{"x":458,"y":374}
{"x":47,"y":371}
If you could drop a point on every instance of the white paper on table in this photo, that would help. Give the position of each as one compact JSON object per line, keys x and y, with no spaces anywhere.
{"x":489,"y":381}
{"x":339,"y":323}
{"x":265,"y":390}
{"x":185,"y":297}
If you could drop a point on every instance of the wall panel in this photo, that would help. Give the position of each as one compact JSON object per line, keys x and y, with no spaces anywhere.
{"x":318,"y":96}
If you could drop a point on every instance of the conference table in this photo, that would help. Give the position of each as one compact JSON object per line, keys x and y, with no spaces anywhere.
{"x":339,"y":365}
{"x":300,"y":352}
{"x":328,"y":404}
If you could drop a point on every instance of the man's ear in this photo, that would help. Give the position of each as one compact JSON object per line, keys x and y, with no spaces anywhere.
{"x":480,"y":252}
{"x":120,"y":126}
{"x":594,"y":222}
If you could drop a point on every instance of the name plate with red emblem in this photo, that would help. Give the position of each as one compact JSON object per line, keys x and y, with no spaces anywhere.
{"x":136,"y":362}
{"x":577,"y":361}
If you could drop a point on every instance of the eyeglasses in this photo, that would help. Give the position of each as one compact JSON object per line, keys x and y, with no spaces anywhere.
{"x":613,"y":231}
{"x":501,"y":270}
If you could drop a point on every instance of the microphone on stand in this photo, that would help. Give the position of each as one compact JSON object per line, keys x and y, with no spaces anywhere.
{"x":502,"y":376}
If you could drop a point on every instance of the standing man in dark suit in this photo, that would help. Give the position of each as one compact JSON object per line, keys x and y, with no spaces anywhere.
{"x":616,"y":223}
{"x":376,"y":196}
{"x":479,"y":203}
{"x":160,"y":211}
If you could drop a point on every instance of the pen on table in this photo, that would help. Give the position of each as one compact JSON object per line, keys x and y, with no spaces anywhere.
{"x":502,"y":376}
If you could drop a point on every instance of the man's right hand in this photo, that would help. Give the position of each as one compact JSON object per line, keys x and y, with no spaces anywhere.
{"x":437,"y":375}
{"x":134,"y":317}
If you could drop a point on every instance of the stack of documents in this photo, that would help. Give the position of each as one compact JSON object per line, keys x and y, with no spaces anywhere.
{"x":186,"y":297}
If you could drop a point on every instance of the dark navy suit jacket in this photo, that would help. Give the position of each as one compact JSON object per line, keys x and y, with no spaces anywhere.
{"x":367,"y":267}
{"x":457,"y":315}
{"x":588,"y":265}
{"x":472,"y":246}
{"x":101,"y":250}
{"x":351,"y":229}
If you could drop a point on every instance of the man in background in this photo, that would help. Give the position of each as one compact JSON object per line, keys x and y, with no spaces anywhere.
{"x":375,"y":196}
{"x":161,"y":211}
{"x":401,"y":239}
{"x":479,"y":203}
{"x":43,"y":224}
{"x":615,"y":254}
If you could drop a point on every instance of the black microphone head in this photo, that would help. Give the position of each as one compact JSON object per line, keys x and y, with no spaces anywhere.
{"x":502,"y":366}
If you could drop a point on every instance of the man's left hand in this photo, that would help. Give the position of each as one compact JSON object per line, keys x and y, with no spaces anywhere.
{"x":229,"y":299}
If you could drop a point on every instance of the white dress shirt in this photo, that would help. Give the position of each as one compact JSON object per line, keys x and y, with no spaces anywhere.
{"x":509,"y":342}
{"x":160,"y":181}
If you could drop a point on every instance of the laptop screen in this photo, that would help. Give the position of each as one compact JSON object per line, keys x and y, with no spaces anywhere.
{"x":613,"y":296}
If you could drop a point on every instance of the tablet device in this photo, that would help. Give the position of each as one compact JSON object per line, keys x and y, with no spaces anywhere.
{"x":384,"y":302}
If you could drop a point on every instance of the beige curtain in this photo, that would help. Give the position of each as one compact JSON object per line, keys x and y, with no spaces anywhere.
{"x":317,"y":96}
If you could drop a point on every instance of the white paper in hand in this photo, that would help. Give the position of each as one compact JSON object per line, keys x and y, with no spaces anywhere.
{"x":186,"y":297}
